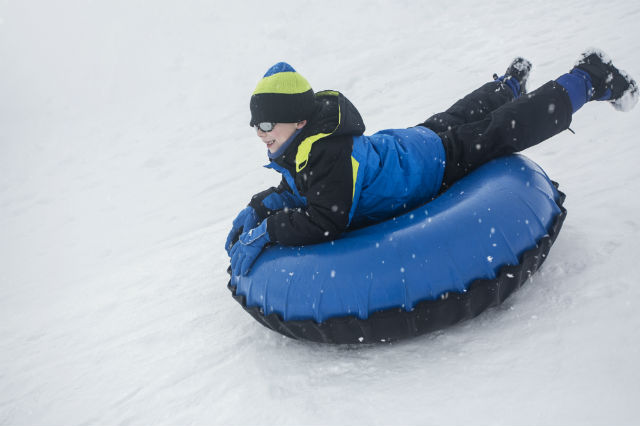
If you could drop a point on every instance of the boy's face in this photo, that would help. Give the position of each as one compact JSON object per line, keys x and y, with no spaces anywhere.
{"x":279,"y":135}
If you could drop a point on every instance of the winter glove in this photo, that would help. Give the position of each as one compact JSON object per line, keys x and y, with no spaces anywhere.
{"x":247,"y":219}
{"x":248,"y":248}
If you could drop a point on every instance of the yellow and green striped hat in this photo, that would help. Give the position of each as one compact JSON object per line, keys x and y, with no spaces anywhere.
{"x":282,"y":96}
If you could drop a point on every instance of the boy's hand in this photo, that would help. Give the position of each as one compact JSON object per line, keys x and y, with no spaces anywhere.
{"x":248,"y":248}
{"x":247,"y":219}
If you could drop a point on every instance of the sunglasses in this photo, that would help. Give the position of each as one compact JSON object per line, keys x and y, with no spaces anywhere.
{"x":265,"y":126}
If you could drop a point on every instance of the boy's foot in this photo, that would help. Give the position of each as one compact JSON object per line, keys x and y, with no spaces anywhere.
{"x":519,"y":71}
{"x":609,"y":83}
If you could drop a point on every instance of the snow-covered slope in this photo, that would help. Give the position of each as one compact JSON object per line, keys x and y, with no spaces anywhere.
{"x":125,"y":152}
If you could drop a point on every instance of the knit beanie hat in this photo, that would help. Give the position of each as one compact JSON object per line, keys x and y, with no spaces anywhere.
{"x":282,"y":96}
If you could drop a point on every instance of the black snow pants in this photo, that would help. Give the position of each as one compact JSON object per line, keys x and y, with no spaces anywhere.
{"x":489,"y":123}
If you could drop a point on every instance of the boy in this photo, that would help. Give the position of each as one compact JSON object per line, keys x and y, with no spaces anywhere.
{"x":334,"y":178}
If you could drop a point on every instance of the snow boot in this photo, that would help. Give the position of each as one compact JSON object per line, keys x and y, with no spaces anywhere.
{"x":608,"y":82}
{"x":516,"y":76}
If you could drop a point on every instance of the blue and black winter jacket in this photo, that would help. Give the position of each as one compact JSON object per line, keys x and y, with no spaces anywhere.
{"x":334,"y":178}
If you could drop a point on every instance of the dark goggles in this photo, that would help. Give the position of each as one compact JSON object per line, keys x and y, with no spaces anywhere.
{"x":265,"y":126}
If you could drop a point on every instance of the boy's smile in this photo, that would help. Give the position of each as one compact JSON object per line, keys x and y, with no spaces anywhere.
{"x":279,"y":135}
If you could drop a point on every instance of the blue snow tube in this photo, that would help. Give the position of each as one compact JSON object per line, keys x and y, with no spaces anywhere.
{"x":440,"y":263}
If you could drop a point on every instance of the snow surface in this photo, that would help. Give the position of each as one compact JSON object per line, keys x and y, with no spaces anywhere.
{"x":125,"y":153}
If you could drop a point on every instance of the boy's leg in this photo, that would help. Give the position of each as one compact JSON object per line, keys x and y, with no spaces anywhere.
{"x":479,"y":103}
{"x":473,"y":107}
{"x":513,"y":127}
{"x":533,"y":118}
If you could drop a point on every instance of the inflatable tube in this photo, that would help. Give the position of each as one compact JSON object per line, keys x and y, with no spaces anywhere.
{"x":438,"y":264}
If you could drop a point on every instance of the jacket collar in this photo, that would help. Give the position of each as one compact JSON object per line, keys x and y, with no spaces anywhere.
{"x":334,"y":115}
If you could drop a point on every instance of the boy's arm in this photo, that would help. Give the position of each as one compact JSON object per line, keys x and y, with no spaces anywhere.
{"x":261,"y":206}
{"x":329,"y":199}
{"x":271,"y":200}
